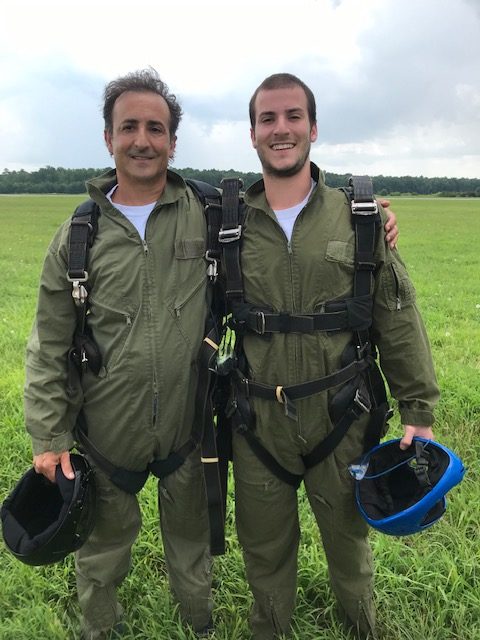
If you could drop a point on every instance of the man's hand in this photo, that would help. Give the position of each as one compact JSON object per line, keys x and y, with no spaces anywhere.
{"x":410,"y":431}
{"x":46,"y":463}
{"x":391,"y":229}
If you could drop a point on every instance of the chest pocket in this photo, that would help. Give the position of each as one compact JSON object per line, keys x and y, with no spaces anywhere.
{"x":190,"y":271}
{"x":342,"y":253}
{"x":338,"y":276}
{"x":111,"y":326}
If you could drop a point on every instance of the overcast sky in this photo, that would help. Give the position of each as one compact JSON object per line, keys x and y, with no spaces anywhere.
{"x":397,"y":82}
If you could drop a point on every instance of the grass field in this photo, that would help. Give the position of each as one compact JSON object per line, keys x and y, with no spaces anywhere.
{"x":428,"y":585}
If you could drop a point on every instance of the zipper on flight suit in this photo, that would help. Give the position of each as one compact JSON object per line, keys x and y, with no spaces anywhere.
{"x":155,"y":399}
{"x":149,"y":316}
{"x":398,"y":305}
{"x":294,"y":338}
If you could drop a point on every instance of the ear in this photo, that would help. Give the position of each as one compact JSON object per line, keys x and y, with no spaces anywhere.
{"x":313,"y":132}
{"x":173,"y":144}
{"x":253,"y":138}
{"x":107,"y":136}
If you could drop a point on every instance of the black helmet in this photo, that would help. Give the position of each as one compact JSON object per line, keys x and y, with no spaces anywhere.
{"x":44,"y":521}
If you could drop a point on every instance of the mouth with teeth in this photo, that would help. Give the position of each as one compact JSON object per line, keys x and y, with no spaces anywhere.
{"x":282,"y":146}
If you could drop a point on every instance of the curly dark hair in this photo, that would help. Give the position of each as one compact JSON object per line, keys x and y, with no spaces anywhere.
{"x":143,"y":80}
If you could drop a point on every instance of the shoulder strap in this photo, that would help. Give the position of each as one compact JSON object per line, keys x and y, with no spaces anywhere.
{"x":229,"y":237}
{"x":83,"y":229}
{"x":365,"y":220}
{"x":211,"y":199}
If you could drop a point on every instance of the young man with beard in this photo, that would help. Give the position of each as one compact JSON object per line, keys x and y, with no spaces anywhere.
{"x":297,"y":256}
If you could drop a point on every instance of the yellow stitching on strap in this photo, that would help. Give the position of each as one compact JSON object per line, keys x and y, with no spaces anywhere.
{"x":209,"y":459}
{"x":211,"y":343}
{"x":278,"y":393}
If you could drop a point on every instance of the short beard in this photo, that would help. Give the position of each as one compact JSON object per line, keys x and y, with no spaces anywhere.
{"x":286,"y":172}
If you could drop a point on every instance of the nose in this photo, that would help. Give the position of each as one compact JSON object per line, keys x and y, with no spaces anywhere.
{"x":141,"y":137}
{"x":281,"y":126}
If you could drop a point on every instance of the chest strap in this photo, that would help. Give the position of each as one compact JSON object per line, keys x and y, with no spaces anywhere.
{"x":352,"y":313}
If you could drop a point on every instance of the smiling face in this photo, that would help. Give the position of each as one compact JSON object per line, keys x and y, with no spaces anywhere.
{"x":283,"y":133}
{"x":140,"y":140}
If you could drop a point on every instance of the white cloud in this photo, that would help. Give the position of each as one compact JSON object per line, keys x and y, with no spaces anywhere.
{"x":397,"y":91}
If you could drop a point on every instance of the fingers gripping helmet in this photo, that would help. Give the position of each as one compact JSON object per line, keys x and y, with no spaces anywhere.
{"x":403,"y":492}
{"x":44,"y":521}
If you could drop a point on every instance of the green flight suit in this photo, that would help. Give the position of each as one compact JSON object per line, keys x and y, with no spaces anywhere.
{"x":299,"y":276}
{"x":147,"y":313}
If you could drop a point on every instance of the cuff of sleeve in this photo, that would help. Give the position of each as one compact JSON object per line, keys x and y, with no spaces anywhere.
{"x":57,"y":444}
{"x":417,"y":417}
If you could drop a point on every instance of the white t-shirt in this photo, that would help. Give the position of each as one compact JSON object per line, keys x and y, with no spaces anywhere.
{"x":287,"y":217}
{"x":138,"y":215}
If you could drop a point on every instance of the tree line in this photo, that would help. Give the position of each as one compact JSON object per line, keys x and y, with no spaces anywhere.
{"x":59,"y":180}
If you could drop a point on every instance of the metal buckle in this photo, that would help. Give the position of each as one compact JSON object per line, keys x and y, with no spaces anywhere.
{"x":362,"y":402}
{"x":364,"y":208}
{"x":362,"y":350}
{"x":260,"y":322}
{"x":212,"y":269}
{"x":83,"y":278}
{"x":230,"y":235}
{"x":79,"y":292}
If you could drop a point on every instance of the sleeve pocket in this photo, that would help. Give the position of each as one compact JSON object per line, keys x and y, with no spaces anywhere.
{"x":399,"y":290}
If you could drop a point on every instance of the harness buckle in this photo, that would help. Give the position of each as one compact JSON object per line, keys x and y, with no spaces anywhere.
{"x":230,"y":235}
{"x":364,"y":208}
{"x":362,"y":350}
{"x":79,"y":292}
{"x":260,"y":322}
{"x":212,"y":269}
{"x":362,"y":402}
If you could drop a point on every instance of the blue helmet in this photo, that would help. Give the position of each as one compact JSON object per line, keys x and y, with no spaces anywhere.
{"x":400,"y":492}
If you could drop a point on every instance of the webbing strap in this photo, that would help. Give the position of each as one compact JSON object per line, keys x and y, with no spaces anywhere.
{"x":328,"y":444}
{"x":229,"y":237}
{"x":269,"y":461}
{"x":364,"y":217}
{"x":216,"y":492}
{"x":127,"y":480}
{"x":319,"y":453}
{"x":305,"y":389}
{"x":265,"y":322}
{"x":83,"y":228}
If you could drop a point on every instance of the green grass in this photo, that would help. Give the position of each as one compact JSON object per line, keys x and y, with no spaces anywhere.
{"x":427,"y":586}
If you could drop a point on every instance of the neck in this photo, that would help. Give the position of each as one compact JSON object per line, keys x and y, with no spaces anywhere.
{"x":138,"y":193}
{"x":283,"y":192}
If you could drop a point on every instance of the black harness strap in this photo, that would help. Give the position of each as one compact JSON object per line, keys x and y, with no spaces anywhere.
{"x":83,"y":229}
{"x":305,"y":389}
{"x":353,"y":314}
{"x":215,"y":482}
{"x":211,"y":198}
{"x":132,"y":481}
{"x":215,"y":464}
{"x":229,"y":238}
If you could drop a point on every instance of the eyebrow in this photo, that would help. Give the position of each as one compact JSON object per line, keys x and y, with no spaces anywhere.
{"x":135,"y":121}
{"x":288,"y":111}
